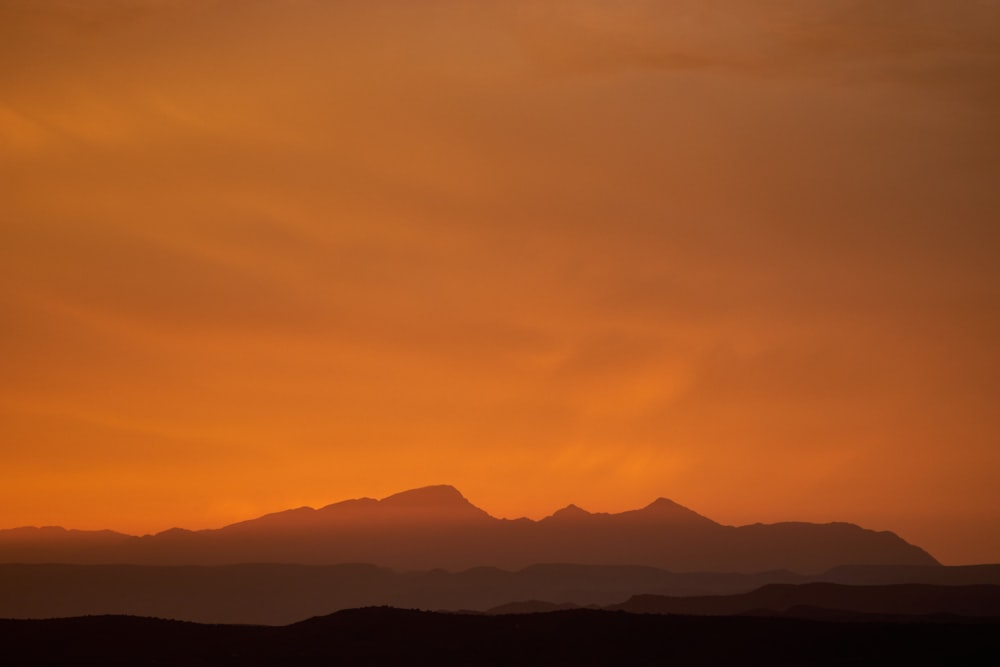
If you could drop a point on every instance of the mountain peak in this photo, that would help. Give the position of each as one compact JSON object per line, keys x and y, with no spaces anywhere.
{"x":571,"y":512}
{"x":439,"y":496}
{"x":665,"y":504}
{"x":430,"y":504}
{"x":666,"y":509}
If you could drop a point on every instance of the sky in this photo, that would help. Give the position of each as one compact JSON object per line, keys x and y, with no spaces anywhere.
{"x":258,"y":254}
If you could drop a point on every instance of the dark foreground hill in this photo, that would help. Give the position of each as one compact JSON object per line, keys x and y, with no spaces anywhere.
{"x":386,"y":636}
{"x":436,"y":527}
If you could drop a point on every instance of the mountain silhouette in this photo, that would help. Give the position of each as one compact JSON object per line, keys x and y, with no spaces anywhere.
{"x":897,"y":599}
{"x":275,"y":594}
{"x":437,"y":527}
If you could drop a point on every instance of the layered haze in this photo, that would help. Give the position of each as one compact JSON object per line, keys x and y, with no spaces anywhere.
{"x":256,"y":254}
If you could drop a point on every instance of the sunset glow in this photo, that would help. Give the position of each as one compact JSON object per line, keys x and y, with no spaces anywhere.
{"x":262,"y":254}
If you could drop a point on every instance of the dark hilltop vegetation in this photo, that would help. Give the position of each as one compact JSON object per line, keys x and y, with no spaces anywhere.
{"x":389,"y":636}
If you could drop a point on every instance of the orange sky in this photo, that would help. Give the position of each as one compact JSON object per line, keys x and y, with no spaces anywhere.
{"x":256,"y":254}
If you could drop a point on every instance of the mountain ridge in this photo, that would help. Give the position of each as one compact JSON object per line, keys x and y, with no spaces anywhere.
{"x":896,"y":599}
{"x":276,"y":594}
{"x":438,"y":527}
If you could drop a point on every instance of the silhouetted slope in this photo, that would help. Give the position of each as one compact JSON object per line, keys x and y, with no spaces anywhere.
{"x":384,"y":636}
{"x":952,"y":575}
{"x":809,"y":547}
{"x":900,"y":599}
{"x":276,"y":594}
{"x":531,"y":607}
{"x":436,"y":527}
{"x":57,"y":544}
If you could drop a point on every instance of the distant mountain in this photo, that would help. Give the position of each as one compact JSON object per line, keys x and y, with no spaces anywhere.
{"x":437,"y":527}
{"x":531,"y":607}
{"x":897,"y":599}
{"x":278,"y":594}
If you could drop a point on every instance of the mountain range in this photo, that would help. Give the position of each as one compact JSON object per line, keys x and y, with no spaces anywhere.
{"x":275,"y":594}
{"x":792,"y":599}
{"x":437,"y":527}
